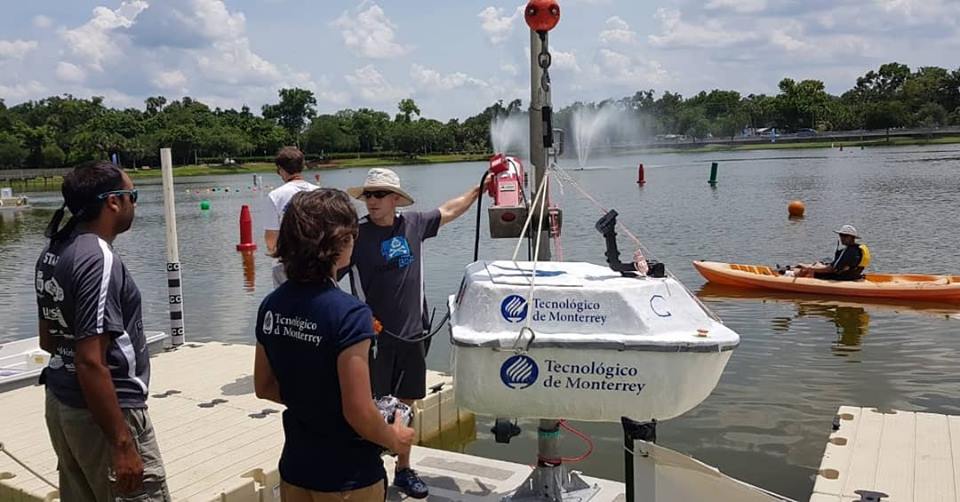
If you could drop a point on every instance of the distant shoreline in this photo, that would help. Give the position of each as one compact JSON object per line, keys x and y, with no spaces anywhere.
{"x":38,"y":184}
{"x":871,"y":143}
{"x":266,"y":167}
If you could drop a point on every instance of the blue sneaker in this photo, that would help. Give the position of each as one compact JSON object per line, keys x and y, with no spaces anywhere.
{"x":410,"y":483}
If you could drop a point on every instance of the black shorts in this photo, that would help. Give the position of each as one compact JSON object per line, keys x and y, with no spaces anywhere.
{"x":399,"y":368}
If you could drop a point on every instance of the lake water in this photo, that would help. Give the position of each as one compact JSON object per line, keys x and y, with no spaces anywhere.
{"x":800,"y":357}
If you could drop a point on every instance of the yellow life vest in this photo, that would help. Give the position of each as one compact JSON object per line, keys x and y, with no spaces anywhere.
{"x":864,"y":256}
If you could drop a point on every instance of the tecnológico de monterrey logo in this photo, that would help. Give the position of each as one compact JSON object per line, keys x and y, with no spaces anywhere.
{"x":514,"y":308}
{"x":519,"y":372}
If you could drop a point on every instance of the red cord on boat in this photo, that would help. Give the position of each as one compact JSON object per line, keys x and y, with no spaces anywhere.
{"x":571,"y":460}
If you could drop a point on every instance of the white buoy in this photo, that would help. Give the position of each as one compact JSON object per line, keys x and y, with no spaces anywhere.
{"x":174,"y":290}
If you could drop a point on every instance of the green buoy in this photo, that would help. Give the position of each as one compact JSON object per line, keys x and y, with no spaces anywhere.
{"x":204,"y":205}
{"x":713,"y":174}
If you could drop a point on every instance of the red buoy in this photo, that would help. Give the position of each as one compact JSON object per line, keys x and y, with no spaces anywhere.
{"x":246,"y":230}
{"x":640,"y":180}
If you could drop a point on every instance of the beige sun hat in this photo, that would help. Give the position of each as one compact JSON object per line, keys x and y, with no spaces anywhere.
{"x":848,"y":230}
{"x":379,"y":178}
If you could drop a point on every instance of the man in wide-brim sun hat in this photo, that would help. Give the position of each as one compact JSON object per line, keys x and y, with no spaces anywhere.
{"x":382,"y":181}
{"x":386,"y":272}
{"x":849,"y":259}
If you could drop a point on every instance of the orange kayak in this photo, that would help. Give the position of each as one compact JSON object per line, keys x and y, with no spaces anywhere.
{"x":943,"y":288}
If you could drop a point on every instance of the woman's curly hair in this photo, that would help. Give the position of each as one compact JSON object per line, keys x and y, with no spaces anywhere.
{"x":315,"y":228}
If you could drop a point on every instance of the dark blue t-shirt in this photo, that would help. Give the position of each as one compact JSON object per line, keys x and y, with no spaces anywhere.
{"x":84,"y":290}
{"x":303,"y":328}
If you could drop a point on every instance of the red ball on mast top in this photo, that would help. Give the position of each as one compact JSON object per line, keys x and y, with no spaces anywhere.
{"x":542,"y":15}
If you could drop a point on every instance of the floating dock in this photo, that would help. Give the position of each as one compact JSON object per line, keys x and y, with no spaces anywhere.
{"x":219,"y":442}
{"x":906,"y":456}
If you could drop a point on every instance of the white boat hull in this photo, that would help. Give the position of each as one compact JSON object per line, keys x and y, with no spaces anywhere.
{"x":658,"y":385}
{"x":584,"y":343}
{"x":21,"y":361}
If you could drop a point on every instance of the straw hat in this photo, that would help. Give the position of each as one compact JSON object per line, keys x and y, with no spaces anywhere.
{"x":379,"y":178}
{"x":848,"y":230}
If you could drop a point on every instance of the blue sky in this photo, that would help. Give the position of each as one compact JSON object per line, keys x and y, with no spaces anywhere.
{"x":453,"y":56}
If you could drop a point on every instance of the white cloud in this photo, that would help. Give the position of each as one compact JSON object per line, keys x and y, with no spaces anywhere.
{"x":175,"y":47}
{"x":16,"y":49}
{"x":617,"y":31}
{"x":629,"y":71}
{"x":42,"y":22}
{"x":232,"y":62}
{"x":676,"y":33}
{"x":564,"y":61}
{"x":923,"y":10}
{"x":497,"y":24}
{"x":510,"y":69}
{"x":171,"y":81}
{"x":373,"y":86}
{"x":430,"y":79}
{"x":94,"y":41}
{"x":369,"y":33}
{"x":69,"y":72}
{"x":741,"y":6}
{"x":325,"y":93}
{"x":787,"y":42}
{"x":21,"y":91}
{"x":186,"y":24}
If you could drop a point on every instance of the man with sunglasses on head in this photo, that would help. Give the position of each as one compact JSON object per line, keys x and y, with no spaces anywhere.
{"x":387,"y":273}
{"x":290,"y":164}
{"x":90,"y":322}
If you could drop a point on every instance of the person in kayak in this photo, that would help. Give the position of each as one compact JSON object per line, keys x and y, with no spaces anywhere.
{"x":849,"y":260}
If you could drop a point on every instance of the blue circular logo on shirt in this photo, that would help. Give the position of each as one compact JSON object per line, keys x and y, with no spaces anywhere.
{"x":514,"y":308}
{"x":519,"y":372}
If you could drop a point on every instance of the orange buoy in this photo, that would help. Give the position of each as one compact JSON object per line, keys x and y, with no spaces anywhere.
{"x":796,"y":209}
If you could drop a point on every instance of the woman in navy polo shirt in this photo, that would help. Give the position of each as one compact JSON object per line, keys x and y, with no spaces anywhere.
{"x":313,"y":342}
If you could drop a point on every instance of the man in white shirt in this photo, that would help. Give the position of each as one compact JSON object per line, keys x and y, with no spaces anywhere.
{"x":290,"y":166}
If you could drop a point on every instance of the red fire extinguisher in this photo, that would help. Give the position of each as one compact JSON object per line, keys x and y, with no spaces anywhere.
{"x":506,"y":188}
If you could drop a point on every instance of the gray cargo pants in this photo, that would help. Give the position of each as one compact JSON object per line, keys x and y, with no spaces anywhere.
{"x":83,"y":455}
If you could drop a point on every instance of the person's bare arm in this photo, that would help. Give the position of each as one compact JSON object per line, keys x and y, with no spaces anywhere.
{"x":270,"y":237}
{"x":353,"y":369}
{"x":101,"y":399}
{"x":455,"y":207}
{"x":264,"y":380}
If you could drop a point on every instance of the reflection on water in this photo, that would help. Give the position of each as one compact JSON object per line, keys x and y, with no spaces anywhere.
{"x":249,"y":271}
{"x":769,"y":417}
{"x":852,"y":324}
{"x":850,"y":317}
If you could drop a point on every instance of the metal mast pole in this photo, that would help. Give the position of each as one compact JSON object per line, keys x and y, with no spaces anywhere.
{"x":541,"y":130}
{"x":550,"y":480}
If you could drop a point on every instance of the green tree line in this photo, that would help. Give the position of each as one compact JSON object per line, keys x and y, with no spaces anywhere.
{"x":65,"y":130}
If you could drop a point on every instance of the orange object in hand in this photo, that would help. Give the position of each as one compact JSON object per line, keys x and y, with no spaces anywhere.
{"x":377,"y":326}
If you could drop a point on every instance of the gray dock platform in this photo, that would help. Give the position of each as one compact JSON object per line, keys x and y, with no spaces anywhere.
{"x":220,"y":442}
{"x":908,"y":456}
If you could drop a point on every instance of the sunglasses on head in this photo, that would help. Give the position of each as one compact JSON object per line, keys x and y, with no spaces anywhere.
{"x":375,"y":194}
{"x":132,"y":193}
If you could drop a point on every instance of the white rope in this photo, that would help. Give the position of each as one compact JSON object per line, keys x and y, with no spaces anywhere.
{"x":536,"y":250}
{"x":25,"y":466}
{"x":562,"y":174}
{"x":526,"y":224}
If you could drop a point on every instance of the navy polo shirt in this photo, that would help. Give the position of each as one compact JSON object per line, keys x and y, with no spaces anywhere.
{"x":303,"y":328}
